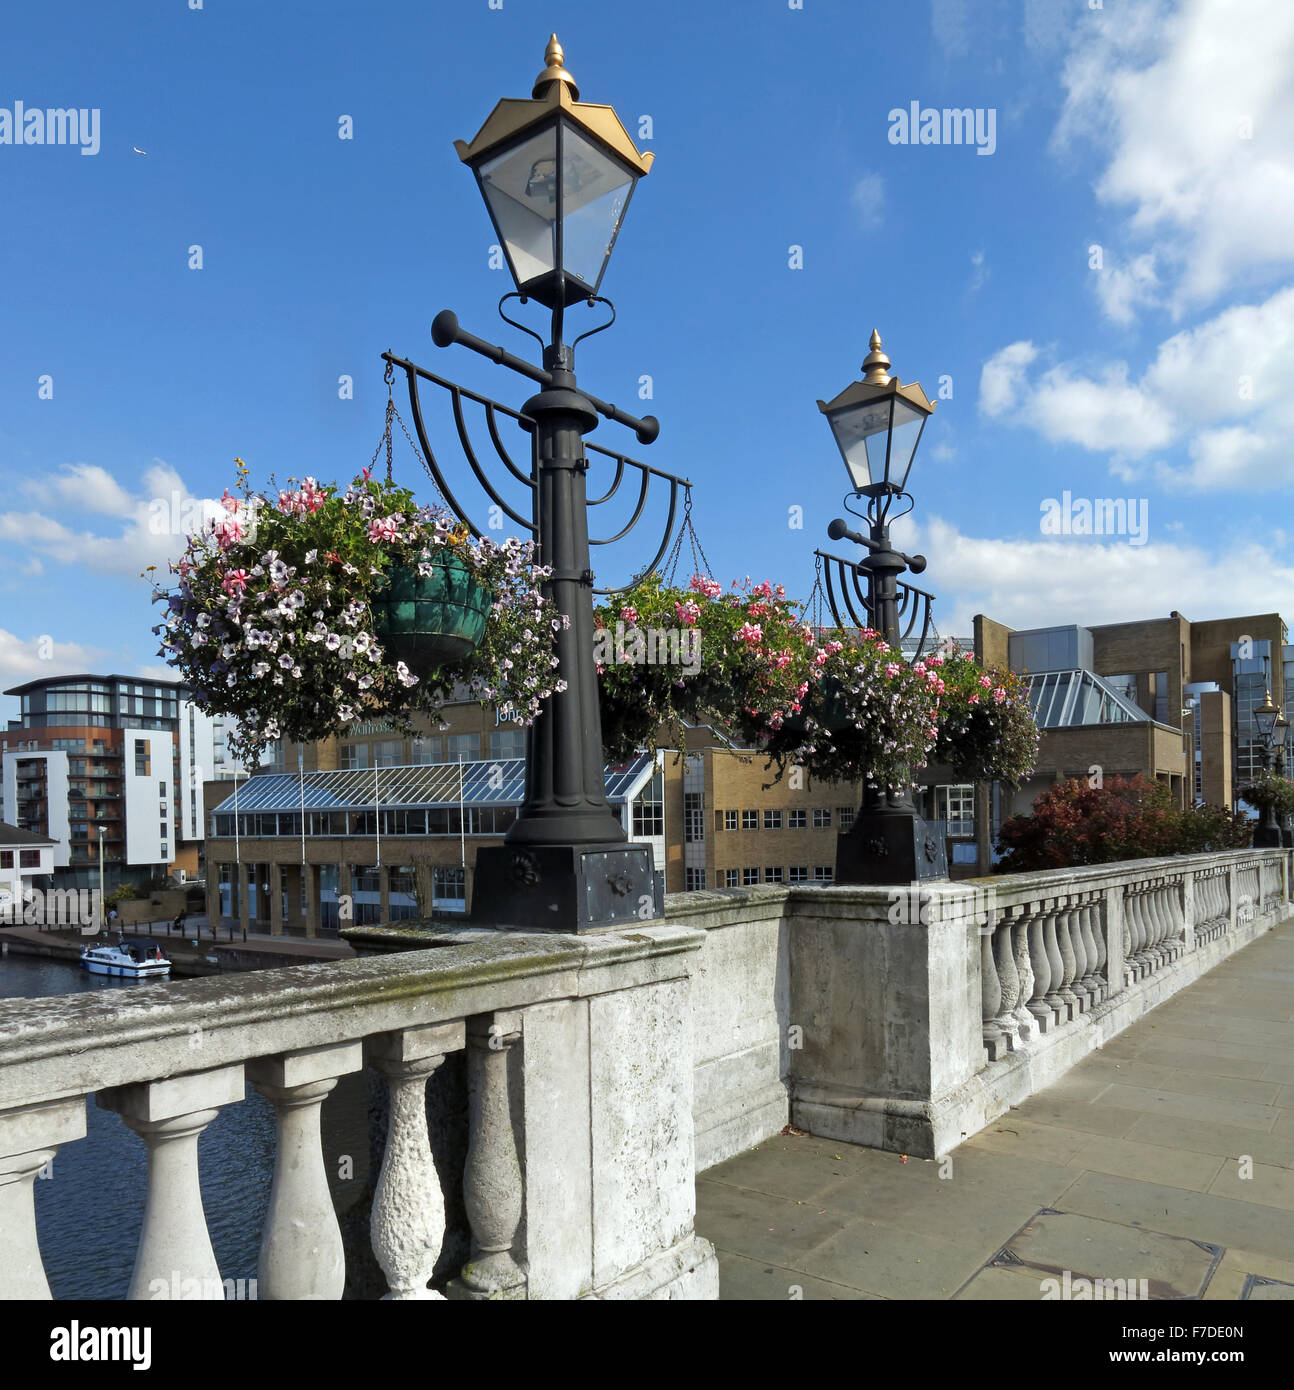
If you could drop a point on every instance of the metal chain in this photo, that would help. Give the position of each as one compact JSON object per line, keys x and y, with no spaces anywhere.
{"x":388,"y":437}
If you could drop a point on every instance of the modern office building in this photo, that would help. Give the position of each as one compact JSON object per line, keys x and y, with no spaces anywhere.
{"x":1167,"y":698}
{"x":114,"y":759}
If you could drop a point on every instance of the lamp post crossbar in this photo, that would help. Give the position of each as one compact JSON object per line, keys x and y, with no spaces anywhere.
{"x":854,"y":606}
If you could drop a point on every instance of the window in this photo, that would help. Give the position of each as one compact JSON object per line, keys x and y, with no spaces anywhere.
{"x":649,"y":809}
{"x":845,"y":816}
{"x":388,"y":752}
{"x":797,"y":873}
{"x":822,"y":817}
{"x":730,"y":878}
{"x":29,"y":859}
{"x":750,"y":820}
{"x":693,"y":816}
{"x":161,"y":789}
{"x":955,"y":806}
{"x":142,"y":768}
{"x":749,"y":878}
{"x":463,"y":748}
{"x":6,"y":859}
{"x":694,"y":880}
{"x":354,"y":755}
{"x":774,"y":876}
{"x":797,"y":820}
{"x":772,"y":820}
{"x":448,"y":888}
{"x":508,"y":743}
{"x":823,"y":873}
{"x":730,"y":820}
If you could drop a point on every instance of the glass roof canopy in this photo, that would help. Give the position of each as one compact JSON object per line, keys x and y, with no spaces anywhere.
{"x":1066,"y":699}
{"x":486,"y":782}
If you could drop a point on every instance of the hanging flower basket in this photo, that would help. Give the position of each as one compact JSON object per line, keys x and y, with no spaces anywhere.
{"x":428,"y":620}
{"x":304,"y":609}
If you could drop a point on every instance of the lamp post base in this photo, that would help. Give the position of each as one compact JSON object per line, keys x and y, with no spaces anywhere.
{"x":564,"y":888}
{"x":891,"y":846}
{"x":1267,"y":837}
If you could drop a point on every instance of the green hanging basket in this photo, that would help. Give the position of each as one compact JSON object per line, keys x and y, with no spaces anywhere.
{"x":432,"y":620}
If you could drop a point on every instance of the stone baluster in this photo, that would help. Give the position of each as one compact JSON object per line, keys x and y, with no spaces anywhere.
{"x":1074,"y":914}
{"x":1169,"y":895}
{"x":1019,"y":929}
{"x":1040,"y":963}
{"x":492,"y":1191}
{"x":175,"y":1258}
{"x":301,"y":1246}
{"x":1092,"y":982}
{"x":1150,"y":919}
{"x":1163,"y":923}
{"x":1179,"y":899}
{"x":29,"y":1139}
{"x":1134,"y":953}
{"x":995,"y":1042}
{"x":1054,"y":998}
{"x":408,"y":1223}
{"x":1099,"y":936}
{"x":1008,"y":980}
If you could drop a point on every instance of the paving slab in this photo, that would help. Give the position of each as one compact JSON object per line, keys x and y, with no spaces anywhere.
{"x":1205,"y":1136}
{"x":1131,"y":1158}
{"x":1056,"y":1243}
{"x":755,"y":1280}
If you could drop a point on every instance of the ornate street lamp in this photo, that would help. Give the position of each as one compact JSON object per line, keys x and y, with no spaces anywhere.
{"x":1271,"y":730}
{"x":877,"y":424}
{"x":556,"y":175}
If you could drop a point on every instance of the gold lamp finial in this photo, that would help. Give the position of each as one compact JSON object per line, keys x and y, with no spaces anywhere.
{"x":876,"y":364}
{"x":555,"y":71}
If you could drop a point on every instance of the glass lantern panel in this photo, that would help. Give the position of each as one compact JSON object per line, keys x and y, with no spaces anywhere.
{"x":861,"y":433}
{"x":908,"y":421}
{"x":596,"y":187}
{"x":520,"y":186}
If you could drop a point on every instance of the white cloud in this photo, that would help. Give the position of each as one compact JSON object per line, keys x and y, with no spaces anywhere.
{"x":150,"y":529}
{"x":979,"y":272}
{"x":33,"y":658}
{"x":1003,"y":377}
{"x":868,"y":200}
{"x":1122,"y":290}
{"x":1192,"y":107}
{"x":83,"y":487}
{"x":1218,"y":391}
{"x":1089,"y":580}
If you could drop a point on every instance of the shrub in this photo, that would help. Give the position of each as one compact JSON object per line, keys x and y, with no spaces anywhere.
{"x":1074,"y":823}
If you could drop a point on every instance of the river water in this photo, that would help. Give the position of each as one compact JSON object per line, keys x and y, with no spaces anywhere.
{"x":90,"y":1208}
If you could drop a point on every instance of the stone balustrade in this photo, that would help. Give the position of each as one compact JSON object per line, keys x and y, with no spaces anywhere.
{"x":907,"y":1018}
{"x":572,"y":1057}
{"x":603,"y":1071}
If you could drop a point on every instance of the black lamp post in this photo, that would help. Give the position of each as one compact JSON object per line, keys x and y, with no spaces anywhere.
{"x":1271,"y":729}
{"x":556,"y":175}
{"x":877,"y":423}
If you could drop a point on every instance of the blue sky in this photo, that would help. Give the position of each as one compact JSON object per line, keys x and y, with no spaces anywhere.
{"x":1153,"y":369}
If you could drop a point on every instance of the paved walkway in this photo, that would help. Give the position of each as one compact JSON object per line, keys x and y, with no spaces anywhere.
{"x":1167,"y":1156}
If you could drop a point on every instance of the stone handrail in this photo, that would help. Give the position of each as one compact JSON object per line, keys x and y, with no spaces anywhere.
{"x":570,"y":1049}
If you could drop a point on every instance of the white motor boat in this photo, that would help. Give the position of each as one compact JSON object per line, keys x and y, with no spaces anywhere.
{"x":136,"y":960}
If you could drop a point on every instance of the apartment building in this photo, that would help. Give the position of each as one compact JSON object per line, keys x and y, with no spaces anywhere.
{"x":116,"y":761}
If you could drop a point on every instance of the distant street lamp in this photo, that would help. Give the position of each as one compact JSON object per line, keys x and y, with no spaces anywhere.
{"x":1272,"y":729}
{"x":877,"y":424}
{"x":101,"y":916}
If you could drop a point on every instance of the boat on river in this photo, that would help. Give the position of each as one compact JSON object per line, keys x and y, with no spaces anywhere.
{"x":135,"y":960}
